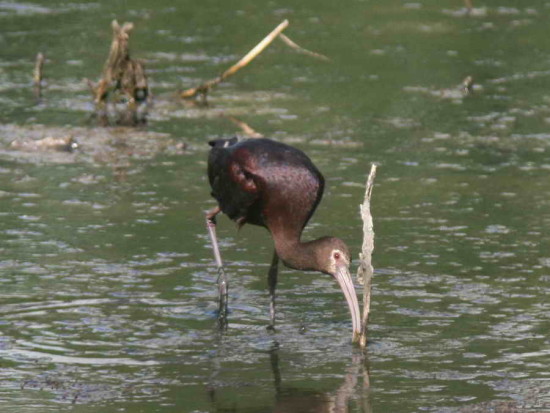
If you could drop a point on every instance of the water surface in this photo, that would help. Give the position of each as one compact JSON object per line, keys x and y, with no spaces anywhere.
{"x":107,"y":282}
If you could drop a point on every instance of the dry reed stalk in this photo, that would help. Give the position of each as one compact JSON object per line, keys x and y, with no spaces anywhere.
{"x":300,"y":49}
{"x":365,"y":270}
{"x":205,"y":87}
{"x":245,"y":128}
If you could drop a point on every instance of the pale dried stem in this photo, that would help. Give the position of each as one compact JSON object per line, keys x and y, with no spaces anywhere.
{"x":245,"y":128}
{"x":38,"y":75}
{"x":205,"y":87}
{"x":365,"y":270}
{"x":300,"y":49}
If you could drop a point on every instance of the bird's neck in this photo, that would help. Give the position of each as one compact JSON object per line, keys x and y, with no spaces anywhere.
{"x":295,"y":253}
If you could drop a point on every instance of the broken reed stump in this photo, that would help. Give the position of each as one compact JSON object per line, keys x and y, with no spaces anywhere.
{"x":467,"y":85}
{"x":37,"y":75}
{"x":205,"y":87}
{"x":123,"y":79}
{"x":365,"y":270}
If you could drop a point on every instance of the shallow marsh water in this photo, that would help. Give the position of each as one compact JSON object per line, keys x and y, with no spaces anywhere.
{"x":107,"y":283}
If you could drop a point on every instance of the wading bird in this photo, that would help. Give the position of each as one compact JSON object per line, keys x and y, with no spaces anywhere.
{"x":273,"y":185}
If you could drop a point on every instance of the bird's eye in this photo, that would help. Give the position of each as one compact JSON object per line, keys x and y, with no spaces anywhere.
{"x":336,"y":255}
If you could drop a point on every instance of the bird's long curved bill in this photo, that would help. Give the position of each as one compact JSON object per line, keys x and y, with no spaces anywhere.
{"x":346,"y":284}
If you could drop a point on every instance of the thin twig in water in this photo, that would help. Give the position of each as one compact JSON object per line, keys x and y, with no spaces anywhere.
{"x":365,"y":270}
{"x":245,"y":127}
{"x":204,"y":88}
{"x":300,"y":49}
{"x":37,"y":75}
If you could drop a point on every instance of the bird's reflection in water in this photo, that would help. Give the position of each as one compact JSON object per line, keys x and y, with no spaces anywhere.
{"x":296,"y":400}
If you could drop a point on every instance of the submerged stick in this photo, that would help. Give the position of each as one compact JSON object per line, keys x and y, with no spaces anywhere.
{"x":205,"y":87}
{"x":37,"y":75}
{"x":365,"y":270}
{"x":300,"y":49}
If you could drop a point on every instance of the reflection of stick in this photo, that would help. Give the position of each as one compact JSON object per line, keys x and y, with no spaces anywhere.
{"x":365,"y":270}
{"x":245,"y":127}
{"x":340,"y":401}
{"x":205,"y":87}
{"x":300,"y":49}
{"x":37,"y":75}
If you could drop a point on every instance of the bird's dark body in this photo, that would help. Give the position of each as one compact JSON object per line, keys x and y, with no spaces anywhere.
{"x":266,"y":183}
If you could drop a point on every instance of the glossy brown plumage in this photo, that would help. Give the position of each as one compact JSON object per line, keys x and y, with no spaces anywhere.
{"x":270,"y":184}
{"x":265,"y":183}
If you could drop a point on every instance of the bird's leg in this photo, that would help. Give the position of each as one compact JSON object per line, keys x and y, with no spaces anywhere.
{"x":211,"y":225}
{"x":222,"y":279}
{"x":272,"y":284}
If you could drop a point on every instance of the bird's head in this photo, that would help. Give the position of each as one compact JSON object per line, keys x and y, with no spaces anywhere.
{"x":334,"y":258}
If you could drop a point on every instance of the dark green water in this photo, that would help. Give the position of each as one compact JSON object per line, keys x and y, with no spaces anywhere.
{"x":107,"y":282}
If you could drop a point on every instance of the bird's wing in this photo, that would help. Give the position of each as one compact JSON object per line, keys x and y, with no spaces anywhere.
{"x":244,"y":177}
{"x":233,"y":186}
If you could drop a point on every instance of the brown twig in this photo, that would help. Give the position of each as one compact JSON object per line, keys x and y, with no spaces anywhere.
{"x":365,"y":270}
{"x":245,"y":127}
{"x":300,"y":49}
{"x":204,"y":88}
{"x":37,"y":75}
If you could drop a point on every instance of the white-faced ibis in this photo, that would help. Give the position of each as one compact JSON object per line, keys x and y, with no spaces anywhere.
{"x":273,"y":185}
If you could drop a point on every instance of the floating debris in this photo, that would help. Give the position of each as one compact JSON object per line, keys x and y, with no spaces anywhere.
{"x":50,"y":143}
{"x":467,"y":12}
{"x":402,"y":123}
{"x":113,"y":146}
{"x":456,"y":94}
